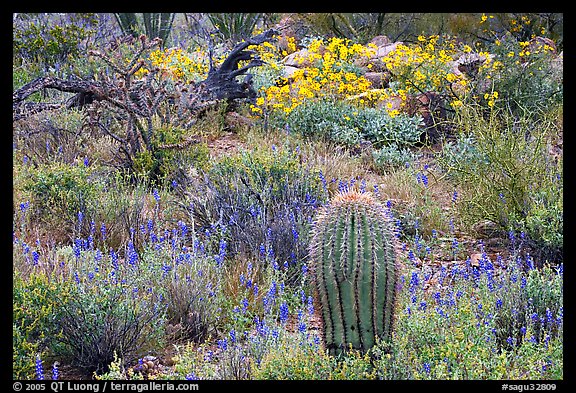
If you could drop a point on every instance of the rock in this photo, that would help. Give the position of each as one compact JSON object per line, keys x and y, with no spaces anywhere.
{"x":538,"y":43}
{"x":475,"y":259}
{"x":431,"y":106}
{"x":374,"y":62}
{"x":469,"y":64}
{"x":486,"y":228}
{"x":383,"y":51}
{"x":378,"y":80}
{"x":289,"y":71}
{"x":301,"y":58}
{"x":380,"y":40}
{"x":391,"y":103}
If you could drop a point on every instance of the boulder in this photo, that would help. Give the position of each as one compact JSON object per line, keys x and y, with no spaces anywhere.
{"x":378,"y":80}
{"x":431,"y":106}
{"x":374,"y":62}
{"x":380,"y":40}
{"x":537,"y":44}
{"x":301,"y":58}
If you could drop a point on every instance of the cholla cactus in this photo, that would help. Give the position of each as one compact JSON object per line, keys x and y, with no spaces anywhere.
{"x":354,"y":265}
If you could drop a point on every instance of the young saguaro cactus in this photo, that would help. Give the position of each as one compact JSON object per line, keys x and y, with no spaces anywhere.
{"x":354,"y":264}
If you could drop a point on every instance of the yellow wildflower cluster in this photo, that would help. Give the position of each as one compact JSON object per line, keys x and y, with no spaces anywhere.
{"x":426,"y":66}
{"x":491,"y":98}
{"x":174,"y":63}
{"x":328,"y":70}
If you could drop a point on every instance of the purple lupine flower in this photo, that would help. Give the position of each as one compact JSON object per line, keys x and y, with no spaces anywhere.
{"x":414,"y":281}
{"x":294,"y":233}
{"x":39,"y":369}
{"x":223,"y":344}
{"x":549,"y":316}
{"x":302,"y":327}
{"x":262,"y":250}
{"x":424,"y":179}
{"x":35,"y":258}
{"x":411,"y":256}
{"x":156,"y":195}
{"x":426,"y":367}
{"x":55,"y":371}
{"x":283,"y":312}
{"x":103,"y":231}
{"x":523,"y":282}
{"x":310,"y":305}
{"x":221,"y":253}
{"x":24,"y":206}
{"x":114,"y":258}
{"x":323,"y":180}
{"x":132,"y":254}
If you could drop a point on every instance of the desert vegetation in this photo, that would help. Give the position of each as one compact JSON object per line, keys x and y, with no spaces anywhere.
{"x":288,"y":196}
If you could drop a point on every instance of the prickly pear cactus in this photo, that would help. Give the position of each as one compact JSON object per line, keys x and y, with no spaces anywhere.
{"x":354,"y":264}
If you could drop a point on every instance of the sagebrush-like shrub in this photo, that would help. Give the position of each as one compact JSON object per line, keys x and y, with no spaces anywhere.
{"x":58,"y":192}
{"x":508,"y":176}
{"x":262,"y":202}
{"x":36,"y":298}
{"x":347,"y":124}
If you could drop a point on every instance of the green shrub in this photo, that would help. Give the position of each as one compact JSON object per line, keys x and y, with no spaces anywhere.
{"x":392,"y":156}
{"x":113,"y":308}
{"x":50,"y":39}
{"x":171,"y":158}
{"x":190,"y":287}
{"x":36,"y":298}
{"x":287,"y":361}
{"x":348,"y":125}
{"x":528,"y":80}
{"x":58,"y":192}
{"x":507,"y":176}
{"x":261,"y":201}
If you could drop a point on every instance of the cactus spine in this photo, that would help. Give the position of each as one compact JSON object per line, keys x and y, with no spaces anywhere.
{"x":354,"y":265}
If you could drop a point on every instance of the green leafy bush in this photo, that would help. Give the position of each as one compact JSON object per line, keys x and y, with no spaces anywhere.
{"x":348,"y":125}
{"x":58,"y":192}
{"x":528,"y":79}
{"x":190,"y":285}
{"x":36,"y":297}
{"x":262,"y":202}
{"x":105,"y":317}
{"x":392,"y":156}
{"x":52,"y":40}
{"x":507,"y":176}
